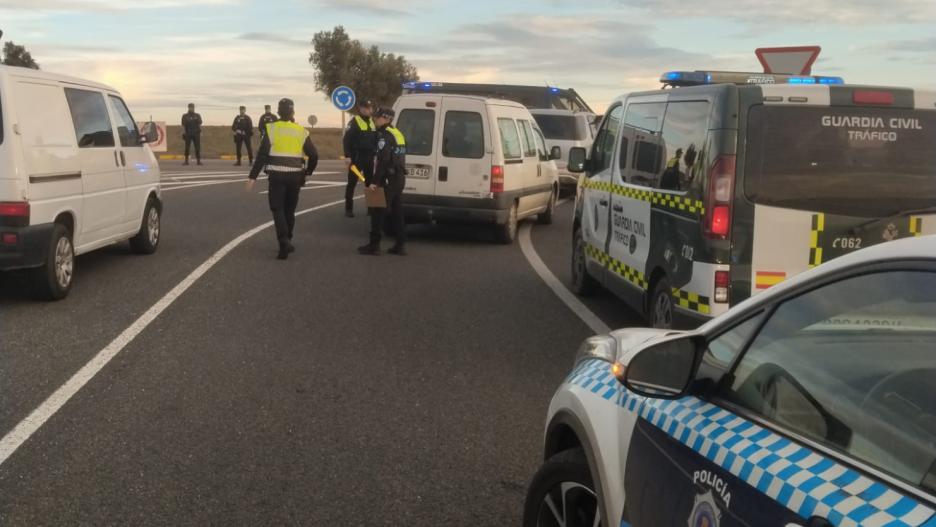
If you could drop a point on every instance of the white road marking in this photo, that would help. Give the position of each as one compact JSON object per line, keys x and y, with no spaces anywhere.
{"x":317,"y":185}
{"x":169,"y":176}
{"x":28,"y":426}
{"x":590,"y":319}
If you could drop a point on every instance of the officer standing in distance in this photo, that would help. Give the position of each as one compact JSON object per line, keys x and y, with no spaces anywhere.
{"x":243,"y":132}
{"x":390,"y":175}
{"x":265,"y":119}
{"x":360,"y":145}
{"x":191,"y":133}
{"x":280,"y":156}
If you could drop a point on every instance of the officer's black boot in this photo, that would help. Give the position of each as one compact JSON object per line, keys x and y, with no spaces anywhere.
{"x":399,"y":250}
{"x":284,"y":250}
{"x":369,"y":250}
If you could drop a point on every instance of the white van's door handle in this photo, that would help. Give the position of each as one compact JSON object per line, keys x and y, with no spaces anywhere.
{"x":123,"y":159}
{"x":116,"y":161}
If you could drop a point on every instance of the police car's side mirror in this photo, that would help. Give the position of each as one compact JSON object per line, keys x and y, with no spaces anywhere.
{"x":664,"y":370}
{"x":577,"y":160}
{"x":149,"y":133}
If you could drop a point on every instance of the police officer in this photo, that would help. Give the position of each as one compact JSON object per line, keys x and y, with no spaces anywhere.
{"x":265,"y":119}
{"x":191,"y":133}
{"x":389,"y":174}
{"x":360,"y":145}
{"x":280,"y":156}
{"x":243,"y":132}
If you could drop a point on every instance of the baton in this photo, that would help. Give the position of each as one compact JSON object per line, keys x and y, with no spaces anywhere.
{"x":357,"y":172}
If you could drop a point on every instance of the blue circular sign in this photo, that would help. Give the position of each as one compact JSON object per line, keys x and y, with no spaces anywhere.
{"x":343,"y":98}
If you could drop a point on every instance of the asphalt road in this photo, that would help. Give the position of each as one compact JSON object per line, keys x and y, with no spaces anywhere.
{"x":331,"y":389}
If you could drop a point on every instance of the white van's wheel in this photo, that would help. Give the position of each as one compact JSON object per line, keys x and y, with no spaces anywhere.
{"x":661,"y":305}
{"x":147,"y":240}
{"x":507,"y":232}
{"x":582,"y":282}
{"x":53,"y":280}
{"x":546,"y":218}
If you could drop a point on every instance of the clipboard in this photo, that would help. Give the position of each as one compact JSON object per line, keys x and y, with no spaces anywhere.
{"x":376,"y":199}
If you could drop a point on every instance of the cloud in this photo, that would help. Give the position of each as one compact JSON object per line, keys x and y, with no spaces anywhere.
{"x":807,"y":12}
{"x":98,"y":6}
{"x":920,"y":45}
{"x":369,"y":7}
{"x":275,"y":38}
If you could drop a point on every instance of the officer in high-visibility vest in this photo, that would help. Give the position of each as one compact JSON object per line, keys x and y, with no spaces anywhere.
{"x":360,"y":145}
{"x":389,"y":174}
{"x":280,"y":156}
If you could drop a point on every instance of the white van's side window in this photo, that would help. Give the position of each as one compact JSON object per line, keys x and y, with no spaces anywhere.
{"x":126,"y":126}
{"x":510,"y":139}
{"x":463,"y":136}
{"x":540,"y":144}
{"x":529,"y":147}
{"x":89,"y":115}
{"x":418,"y":128}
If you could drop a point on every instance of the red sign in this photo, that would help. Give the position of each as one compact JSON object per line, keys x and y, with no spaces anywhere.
{"x":796,"y":60}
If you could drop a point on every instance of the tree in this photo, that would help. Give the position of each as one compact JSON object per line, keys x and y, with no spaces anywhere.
{"x":368,"y":71}
{"x":16,"y":55}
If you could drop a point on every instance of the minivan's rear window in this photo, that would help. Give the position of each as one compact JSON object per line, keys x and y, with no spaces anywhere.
{"x":562,"y":127}
{"x":418,"y":128}
{"x":867,"y":162}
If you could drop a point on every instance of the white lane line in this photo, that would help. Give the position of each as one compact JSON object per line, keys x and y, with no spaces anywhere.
{"x":317,"y":185}
{"x":571,"y":301}
{"x":28,"y":426}
{"x":169,"y":176}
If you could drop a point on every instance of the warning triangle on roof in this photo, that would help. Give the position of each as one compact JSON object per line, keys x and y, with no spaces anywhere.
{"x":789,"y":60}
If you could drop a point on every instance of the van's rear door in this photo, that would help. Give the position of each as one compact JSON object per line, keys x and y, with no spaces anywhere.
{"x":418,"y":118}
{"x":464,"y":151}
{"x":827,"y":180}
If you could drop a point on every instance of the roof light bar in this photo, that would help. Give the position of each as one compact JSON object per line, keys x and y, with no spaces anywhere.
{"x":698,"y":78}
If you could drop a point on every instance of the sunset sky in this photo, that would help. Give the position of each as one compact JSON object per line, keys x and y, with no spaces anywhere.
{"x":220,"y":54}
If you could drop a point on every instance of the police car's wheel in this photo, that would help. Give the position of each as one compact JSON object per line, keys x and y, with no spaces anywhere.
{"x":147,"y":240}
{"x":661,"y":305}
{"x":53,"y":280}
{"x":582,"y":282}
{"x":562,"y":494}
{"x":507,"y":232}
{"x":546,"y":218}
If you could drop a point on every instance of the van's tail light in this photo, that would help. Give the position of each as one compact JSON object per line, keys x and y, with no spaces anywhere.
{"x":718,"y":201}
{"x":722,"y":281}
{"x":14,"y":214}
{"x":497,"y":178}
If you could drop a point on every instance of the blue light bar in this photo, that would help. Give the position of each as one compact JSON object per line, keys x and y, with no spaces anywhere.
{"x":554,"y":90}
{"x":830,"y":80}
{"x":410,"y":85}
{"x":698,"y":78}
{"x":801,"y":80}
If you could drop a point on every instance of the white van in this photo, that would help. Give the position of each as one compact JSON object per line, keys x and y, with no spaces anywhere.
{"x":475,"y":159}
{"x":565,"y":130}
{"x":75,"y":175}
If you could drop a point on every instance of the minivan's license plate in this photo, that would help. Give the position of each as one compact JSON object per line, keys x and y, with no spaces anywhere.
{"x":419,"y":171}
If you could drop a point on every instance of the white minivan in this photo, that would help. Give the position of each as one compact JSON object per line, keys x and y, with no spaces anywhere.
{"x":565,"y":130}
{"x":477,"y":160}
{"x":75,"y":175}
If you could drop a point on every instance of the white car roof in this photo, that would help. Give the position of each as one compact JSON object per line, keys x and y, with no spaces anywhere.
{"x":488,"y":100}
{"x":28,"y":73}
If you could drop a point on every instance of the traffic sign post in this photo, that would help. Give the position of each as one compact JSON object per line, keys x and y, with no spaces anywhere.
{"x":796,"y":60}
{"x":343,"y":98}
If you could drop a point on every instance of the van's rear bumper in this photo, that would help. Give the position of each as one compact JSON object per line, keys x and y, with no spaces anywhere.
{"x":420,"y":208}
{"x":30,"y":250}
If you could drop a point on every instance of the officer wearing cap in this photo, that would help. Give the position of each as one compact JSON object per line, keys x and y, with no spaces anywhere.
{"x":389,"y":174}
{"x":191,"y":133}
{"x":280,"y":156}
{"x":243,"y":132}
{"x":265,"y":119}
{"x":360,"y":145}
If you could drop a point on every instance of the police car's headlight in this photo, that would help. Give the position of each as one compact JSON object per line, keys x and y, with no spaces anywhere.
{"x":602,"y":347}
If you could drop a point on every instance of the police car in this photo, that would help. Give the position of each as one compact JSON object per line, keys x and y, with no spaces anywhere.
{"x":811,"y":405}
{"x":695,"y":198}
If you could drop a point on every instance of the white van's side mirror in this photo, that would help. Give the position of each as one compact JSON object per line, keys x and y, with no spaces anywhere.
{"x":149,"y":133}
{"x":577,"y":160}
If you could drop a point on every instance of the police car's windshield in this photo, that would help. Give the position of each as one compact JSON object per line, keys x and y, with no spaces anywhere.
{"x":865,"y":162}
{"x":562,"y":127}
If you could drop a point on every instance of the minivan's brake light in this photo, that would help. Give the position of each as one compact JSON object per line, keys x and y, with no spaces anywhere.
{"x":881,"y":98}
{"x":15,"y":214}
{"x":497,"y":178}
{"x":718,"y":200}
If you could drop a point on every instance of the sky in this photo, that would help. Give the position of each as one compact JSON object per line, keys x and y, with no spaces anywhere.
{"x":220,"y":54}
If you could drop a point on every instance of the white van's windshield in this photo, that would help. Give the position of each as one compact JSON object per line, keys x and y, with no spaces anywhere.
{"x":561,"y":127}
{"x":867,"y":162}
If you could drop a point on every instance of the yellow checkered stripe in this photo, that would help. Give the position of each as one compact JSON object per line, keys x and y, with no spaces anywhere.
{"x":692,"y":301}
{"x":815,"y":248}
{"x":670,"y":201}
{"x":629,"y":273}
{"x":916,"y":226}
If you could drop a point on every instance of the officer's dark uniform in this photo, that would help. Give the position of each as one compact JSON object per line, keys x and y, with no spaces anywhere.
{"x":360,"y":145}
{"x":191,"y":133}
{"x":280,"y":156}
{"x":243,"y":132}
{"x":389,"y":174}
{"x":265,"y":119}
